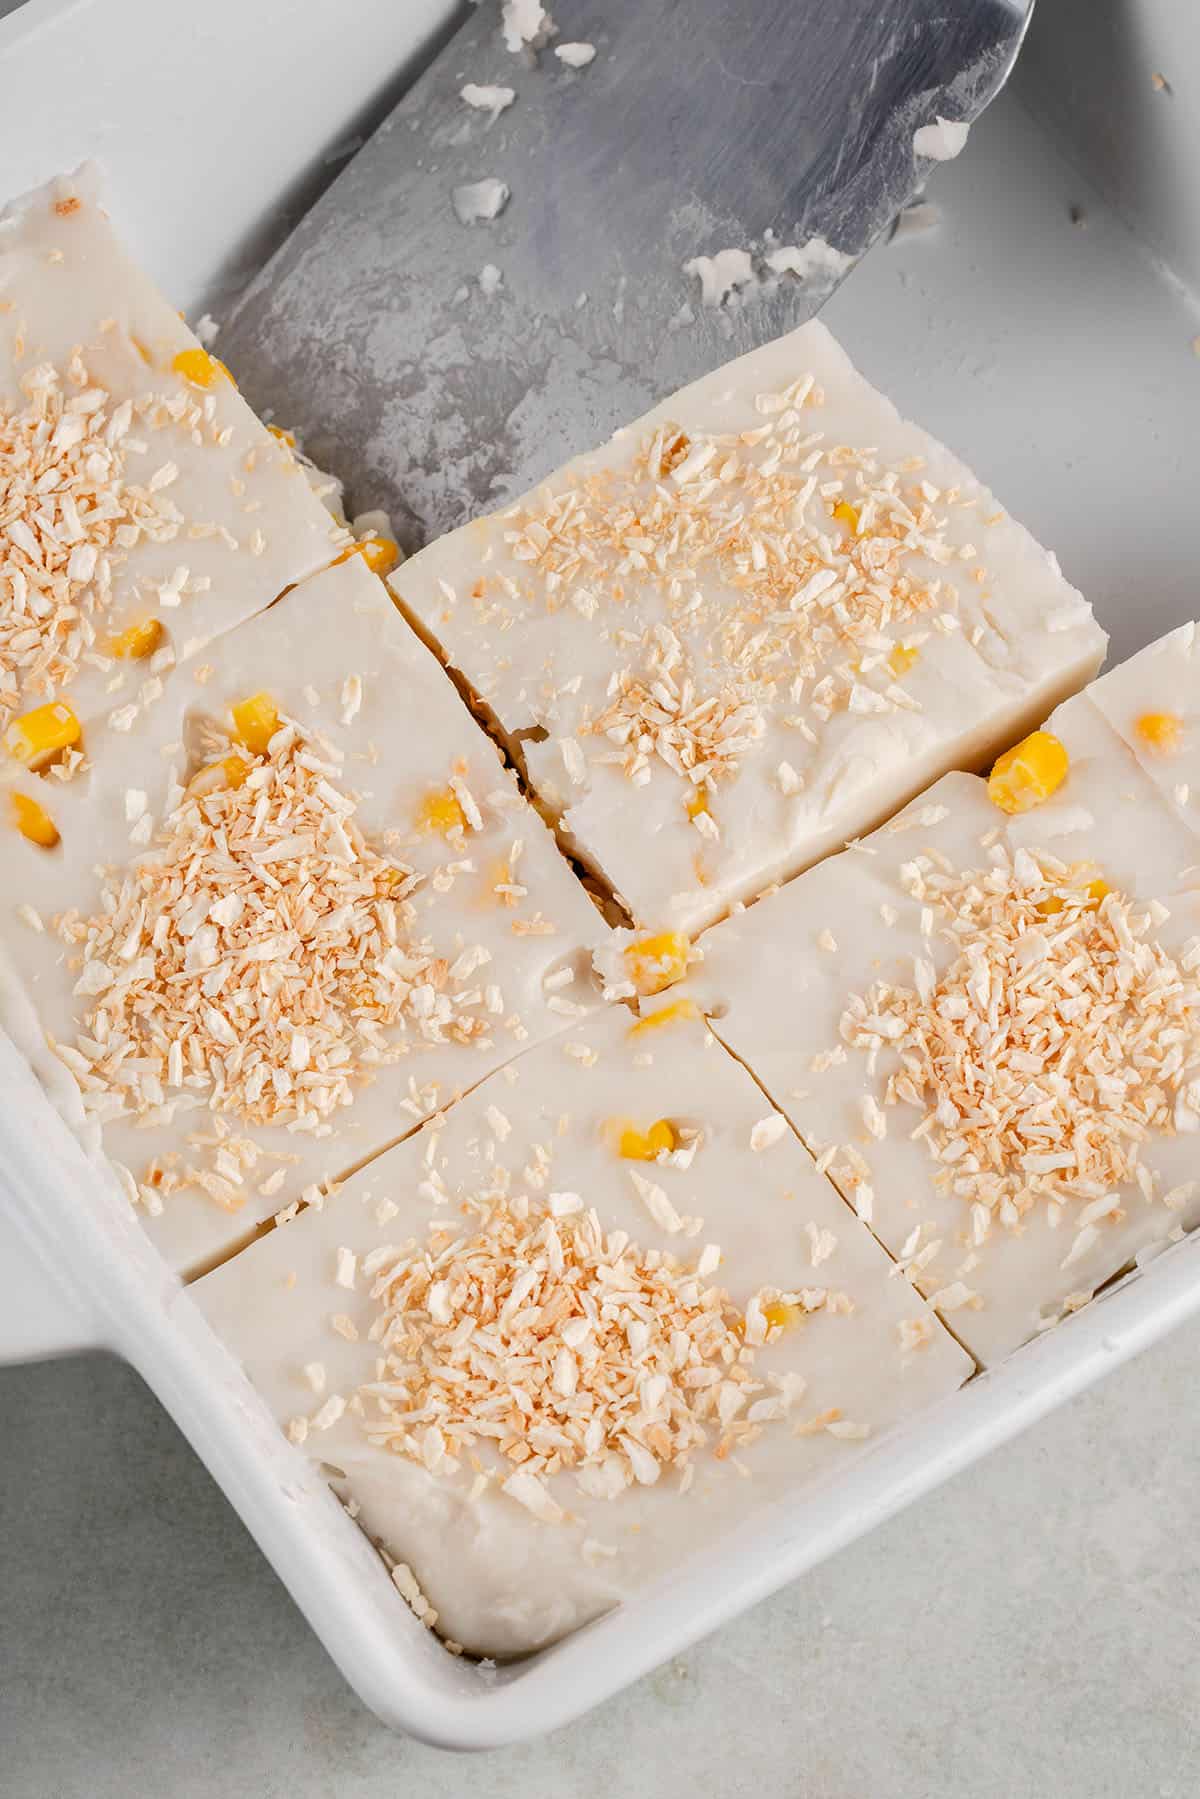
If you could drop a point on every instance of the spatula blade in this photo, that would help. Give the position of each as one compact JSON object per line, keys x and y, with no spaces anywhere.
{"x":700,"y":125}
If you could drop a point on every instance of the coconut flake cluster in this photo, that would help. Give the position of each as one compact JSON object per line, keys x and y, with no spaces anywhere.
{"x":530,"y":1330}
{"x":262,"y":960}
{"x":1059,"y":1038}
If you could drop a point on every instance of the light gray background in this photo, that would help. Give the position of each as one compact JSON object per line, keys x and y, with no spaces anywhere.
{"x":1030,"y":1630}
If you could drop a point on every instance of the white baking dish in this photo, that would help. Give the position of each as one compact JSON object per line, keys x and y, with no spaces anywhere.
{"x":75,"y":1268}
{"x":73,"y":1223}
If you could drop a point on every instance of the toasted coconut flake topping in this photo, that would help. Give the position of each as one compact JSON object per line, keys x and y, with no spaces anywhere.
{"x":262,"y":961}
{"x":1058,"y":1039}
{"x":529,"y":1329}
{"x":819,"y":602}
{"x":68,"y":518}
{"x":702,"y":738}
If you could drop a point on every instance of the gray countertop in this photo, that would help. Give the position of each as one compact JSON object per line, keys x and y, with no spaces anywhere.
{"x":1031,"y":1630}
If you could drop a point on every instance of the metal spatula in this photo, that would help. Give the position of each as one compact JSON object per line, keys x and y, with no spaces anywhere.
{"x":439,"y":366}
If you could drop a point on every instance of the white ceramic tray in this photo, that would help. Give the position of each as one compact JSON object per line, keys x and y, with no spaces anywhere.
{"x":1084,"y":390}
{"x":75,"y":1226}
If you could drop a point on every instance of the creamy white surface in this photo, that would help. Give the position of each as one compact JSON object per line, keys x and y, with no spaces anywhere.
{"x":1026,"y":640}
{"x":502,"y":1581}
{"x":411,"y":734}
{"x":1162,"y":678}
{"x":63,"y":280}
{"x":777,"y":995}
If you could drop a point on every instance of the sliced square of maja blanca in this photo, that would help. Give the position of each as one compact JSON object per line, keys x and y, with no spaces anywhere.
{"x":578,"y":1329}
{"x":143,"y":507}
{"x":985,"y":1022}
{"x":303,"y":907}
{"x":749,"y":628}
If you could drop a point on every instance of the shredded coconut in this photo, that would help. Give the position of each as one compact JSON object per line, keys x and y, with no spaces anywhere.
{"x":261,"y":961}
{"x":526,"y":1327}
{"x":1058,"y":1039}
{"x":68,"y":518}
{"x":831,"y":554}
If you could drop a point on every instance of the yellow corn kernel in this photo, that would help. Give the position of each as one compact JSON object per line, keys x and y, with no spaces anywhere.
{"x":644,"y":1146}
{"x":33,"y":821}
{"x":1161,"y":730}
{"x":440,"y":811}
{"x":230,"y":771}
{"x":1028,"y":773}
{"x":380,"y":554}
{"x":656,"y":962}
{"x":37,"y":737}
{"x":200,"y":369}
{"x":681,"y":1008}
{"x":697,"y":802}
{"x":661,"y":1136}
{"x":286,"y":438}
{"x":1097,"y":891}
{"x":902,"y":659}
{"x":138,"y":641}
{"x":255,"y":722}
{"x":781,"y":1316}
{"x":846,"y":514}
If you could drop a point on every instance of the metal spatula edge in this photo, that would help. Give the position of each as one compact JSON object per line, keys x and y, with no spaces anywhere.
{"x":439,"y":368}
